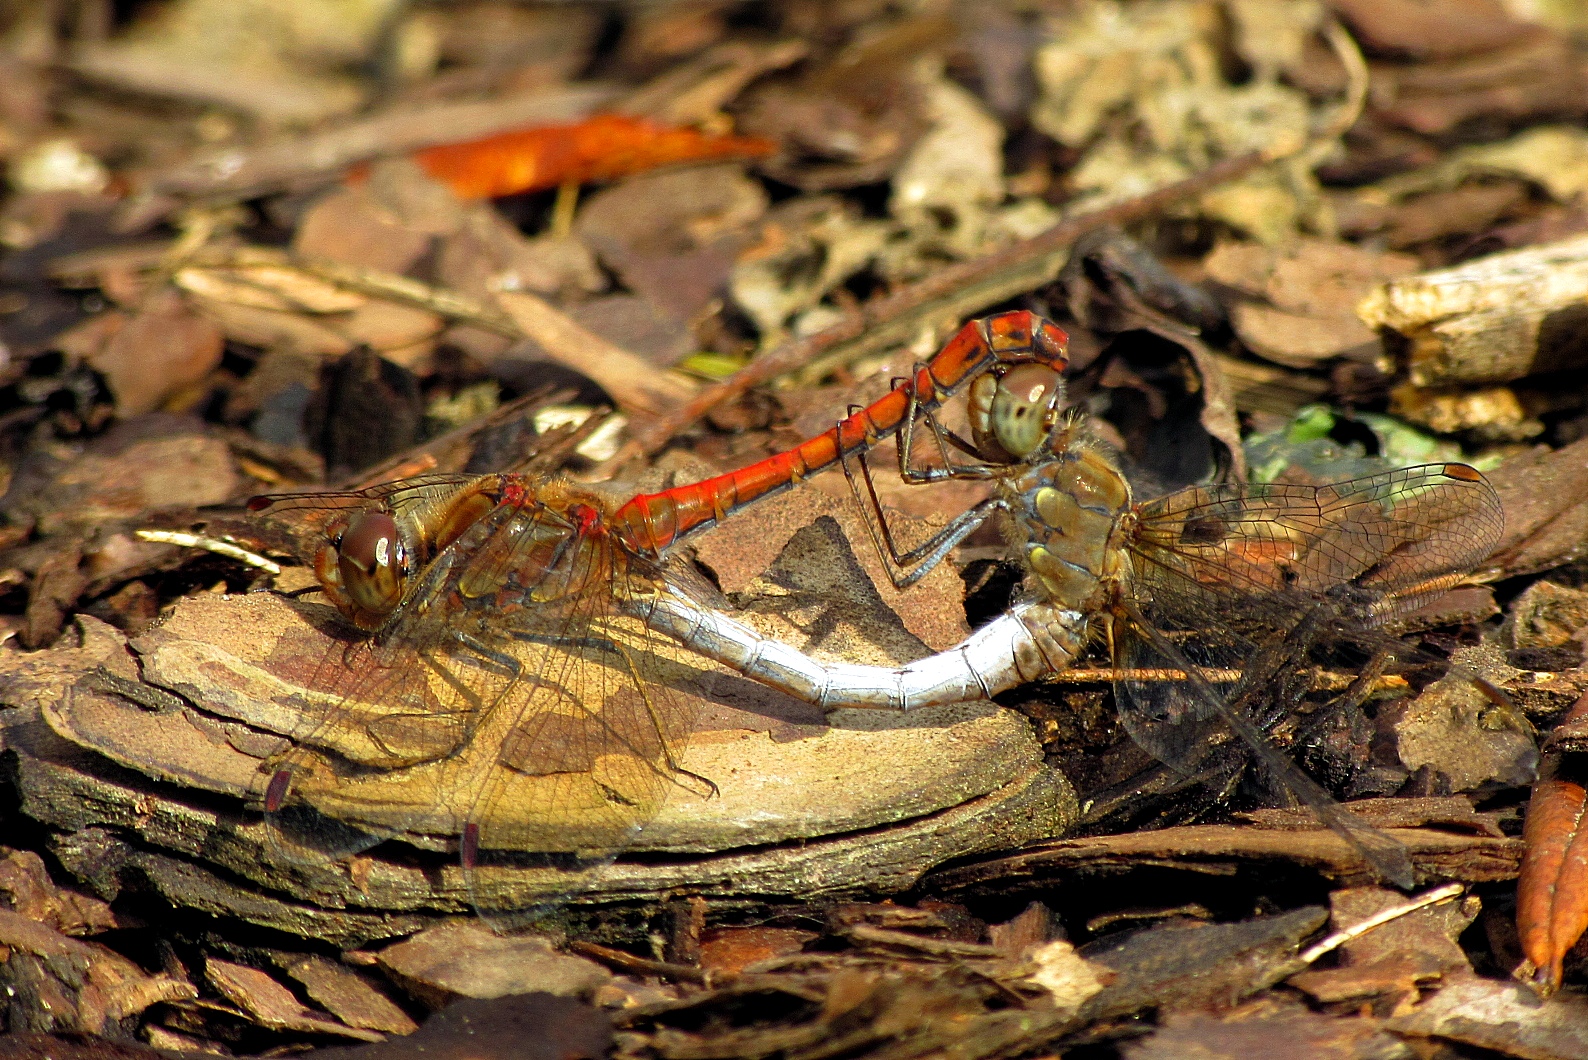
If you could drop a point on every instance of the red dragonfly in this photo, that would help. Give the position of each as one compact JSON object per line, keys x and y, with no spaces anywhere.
{"x":512,"y":690}
{"x":1235,"y":583}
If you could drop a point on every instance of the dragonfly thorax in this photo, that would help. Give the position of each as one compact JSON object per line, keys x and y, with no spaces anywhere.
{"x":1071,"y":510}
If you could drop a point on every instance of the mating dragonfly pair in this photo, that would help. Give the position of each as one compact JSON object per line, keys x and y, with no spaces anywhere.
{"x":532,"y":668}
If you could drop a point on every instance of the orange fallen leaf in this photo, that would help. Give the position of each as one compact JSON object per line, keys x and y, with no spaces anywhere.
{"x":1552,"y":890}
{"x":602,"y":147}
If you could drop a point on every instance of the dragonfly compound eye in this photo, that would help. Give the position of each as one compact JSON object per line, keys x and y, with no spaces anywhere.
{"x":1023,"y":409}
{"x":373,"y":562}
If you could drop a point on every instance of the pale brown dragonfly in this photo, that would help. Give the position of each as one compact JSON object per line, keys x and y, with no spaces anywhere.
{"x":509,"y":685}
{"x":1207,"y":599}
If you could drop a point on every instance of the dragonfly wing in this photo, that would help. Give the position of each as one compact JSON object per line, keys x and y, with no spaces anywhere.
{"x":578,"y":748}
{"x":1160,"y":706}
{"x":505,"y":707}
{"x":354,"y":771}
{"x":1195,"y":708}
{"x":1251,"y":577}
{"x":1247,"y":577}
{"x":1397,"y":540}
{"x":575,"y":762}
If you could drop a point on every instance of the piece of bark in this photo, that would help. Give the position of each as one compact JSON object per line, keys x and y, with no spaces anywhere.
{"x":789,"y":819}
{"x":514,"y":1027}
{"x":54,"y":983}
{"x":466,"y":959}
{"x":34,"y":895}
{"x":348,"y":996}
{"x":1496,"y":414}
{"x":1492,"y":320}
{"x":739,"y":554}
{"x":1196,"y":966}
{"x":1286,"y":1036}
{"x":1217,"y":848}
{"x":272,"y":1005}
{"x":730,"y":950}
{"x":1504,"y":1017}
{"x":1401,"y":976}
{"x":1453,"y":811}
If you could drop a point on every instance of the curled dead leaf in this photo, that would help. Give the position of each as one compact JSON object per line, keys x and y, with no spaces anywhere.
{"x":1552,"y":892}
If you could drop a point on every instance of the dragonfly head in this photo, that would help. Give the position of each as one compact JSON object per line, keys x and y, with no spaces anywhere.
{"x":372,"y":566}
{"x":1021,"y":414}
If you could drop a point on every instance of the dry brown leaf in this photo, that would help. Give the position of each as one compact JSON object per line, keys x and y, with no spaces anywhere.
{"x":1307,"y":296}
{"x":351,"y":226}
{"x":1552,"y":892}
{"x":162,"y":348}
{"x":1546,"y":517}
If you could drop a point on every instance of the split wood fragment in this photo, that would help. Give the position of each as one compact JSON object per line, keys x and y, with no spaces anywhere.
{"x":1491,"y":320}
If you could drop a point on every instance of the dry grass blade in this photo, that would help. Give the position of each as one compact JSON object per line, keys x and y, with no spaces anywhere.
{"x":634,"y":383}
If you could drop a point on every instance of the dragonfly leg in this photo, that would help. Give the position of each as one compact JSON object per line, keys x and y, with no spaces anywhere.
{"x":905,"y":567}
{"x":506,"y":663}
{"x":944,"y":438}
{"x":1352,"y":698}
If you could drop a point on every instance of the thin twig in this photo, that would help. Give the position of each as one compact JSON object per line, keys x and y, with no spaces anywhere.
{"x":210,"y":544}
{"x":1322,"y":680}
{"x":629,"y":962}
{"x":1438,"y":896}
{"x":1356,"y":83}
{"x":924,"y":944}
